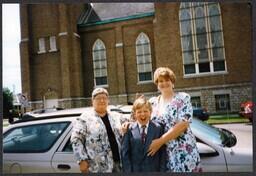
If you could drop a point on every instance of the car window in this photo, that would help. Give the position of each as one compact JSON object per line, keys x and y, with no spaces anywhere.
{"x":216,"y":135}
{"x":68,"y":147}
{"x":206,"y":131}
{"x":33,"y":138}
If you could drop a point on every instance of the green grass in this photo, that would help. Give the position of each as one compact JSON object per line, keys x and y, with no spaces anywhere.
{"x":226,"y":119}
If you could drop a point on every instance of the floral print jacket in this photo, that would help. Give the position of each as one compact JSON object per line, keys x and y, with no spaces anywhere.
{"x":90,"y":140}
{"x":183,"y":155}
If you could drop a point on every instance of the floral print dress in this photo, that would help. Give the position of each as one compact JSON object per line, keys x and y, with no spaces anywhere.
{"x":182,"y":152}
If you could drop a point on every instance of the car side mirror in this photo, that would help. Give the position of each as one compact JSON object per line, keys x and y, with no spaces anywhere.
{"x":206,"y":150}
{"x":231,"y":141}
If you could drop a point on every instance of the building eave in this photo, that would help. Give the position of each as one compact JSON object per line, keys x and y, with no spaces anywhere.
{"x":132,"y":17}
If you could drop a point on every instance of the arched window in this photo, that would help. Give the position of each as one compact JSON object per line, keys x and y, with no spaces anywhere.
{"x":201,"y":38}
{"x":99,"y":63}
{"x":143,"y":56}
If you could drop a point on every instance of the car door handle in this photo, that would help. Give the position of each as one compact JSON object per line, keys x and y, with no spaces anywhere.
{"x":64,"y":166}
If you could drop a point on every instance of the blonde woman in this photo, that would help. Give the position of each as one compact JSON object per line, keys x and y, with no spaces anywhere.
{"x":174,"y":112}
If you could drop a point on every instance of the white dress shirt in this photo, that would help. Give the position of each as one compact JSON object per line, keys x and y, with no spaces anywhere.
{"x":141,"y":129}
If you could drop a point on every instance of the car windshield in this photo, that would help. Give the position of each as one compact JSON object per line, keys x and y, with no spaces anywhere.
{"x":216,"y":135}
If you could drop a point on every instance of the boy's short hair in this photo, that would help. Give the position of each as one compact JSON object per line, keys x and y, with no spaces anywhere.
{"x":140,"y":102}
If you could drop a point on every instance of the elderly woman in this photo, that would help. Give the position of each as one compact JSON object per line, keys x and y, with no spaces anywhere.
{"x":174,"y":111}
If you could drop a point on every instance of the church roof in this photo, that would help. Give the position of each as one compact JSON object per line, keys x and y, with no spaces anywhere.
{"x":101,"y":13}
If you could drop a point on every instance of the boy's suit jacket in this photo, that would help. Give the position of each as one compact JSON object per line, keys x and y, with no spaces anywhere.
{"x":134,"y":152}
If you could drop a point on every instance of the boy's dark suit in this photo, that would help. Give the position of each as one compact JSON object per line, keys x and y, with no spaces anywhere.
{"x":134,"y":152}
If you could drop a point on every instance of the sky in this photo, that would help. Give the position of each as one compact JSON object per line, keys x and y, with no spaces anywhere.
{"x":11,"y":53}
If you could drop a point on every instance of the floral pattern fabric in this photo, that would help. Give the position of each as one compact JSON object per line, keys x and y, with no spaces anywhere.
{"x":90,"y":140}
{"x":182,"y":152}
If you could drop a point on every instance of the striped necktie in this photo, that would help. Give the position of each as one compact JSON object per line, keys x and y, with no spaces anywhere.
{"x":143,"y":134}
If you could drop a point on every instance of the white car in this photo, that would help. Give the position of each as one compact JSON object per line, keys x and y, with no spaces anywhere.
{"x":42,"y":145}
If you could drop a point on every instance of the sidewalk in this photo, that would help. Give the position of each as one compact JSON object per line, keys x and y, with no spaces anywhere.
{"x":6,"y":123}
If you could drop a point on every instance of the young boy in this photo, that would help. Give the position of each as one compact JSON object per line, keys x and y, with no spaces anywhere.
{"x":137,"y":140}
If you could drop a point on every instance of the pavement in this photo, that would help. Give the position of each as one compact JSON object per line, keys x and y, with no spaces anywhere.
{"x":5,"y":122}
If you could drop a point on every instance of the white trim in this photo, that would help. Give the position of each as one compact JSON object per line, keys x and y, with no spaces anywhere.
{"x":53,"y":45}
{"x":147,"y":94}
{"x":221,"y":92}
{"x":76,"y":34}
{"x":41,"y":45}
{"x":195,"y":94}
{"x":41,"y":52}
{"x":145,"y":82}
{"x":35,"y":102}
{"x":59,"y":100}
{"x":63,"y":33}
{"x":24,"y":40}
{"x":205,"y":74}
{"x":104,"y":86}
{"x":88,"y":98}
{"x":121,"y":95}
{"x":209,"y":49}
{"x":214,"y":87}
{"x":119,"y":45}
{"x":103,"y":60}
{"x":68,"y":99}
{"x":211,"y":67}
{"x":52,"y":50}
{"x":145,"y":37}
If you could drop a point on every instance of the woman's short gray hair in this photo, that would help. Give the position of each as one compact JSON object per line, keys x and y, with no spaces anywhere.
{"x":99,"y":90}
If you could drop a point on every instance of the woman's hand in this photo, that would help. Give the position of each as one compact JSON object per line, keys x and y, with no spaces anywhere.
{"x":155,"y":146}
{"x":84,"y":166}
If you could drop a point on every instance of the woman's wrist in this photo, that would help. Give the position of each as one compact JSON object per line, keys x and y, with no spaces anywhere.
{"x":162,"y":140}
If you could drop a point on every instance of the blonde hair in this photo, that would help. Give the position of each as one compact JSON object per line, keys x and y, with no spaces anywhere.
{"x":164,"y":72}
{"x":140,"y":102}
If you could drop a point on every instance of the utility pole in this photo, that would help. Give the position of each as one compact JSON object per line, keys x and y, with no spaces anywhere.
{"x":13,"y":89}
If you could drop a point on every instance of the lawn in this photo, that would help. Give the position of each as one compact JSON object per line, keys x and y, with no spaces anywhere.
{"x":226,"y":119}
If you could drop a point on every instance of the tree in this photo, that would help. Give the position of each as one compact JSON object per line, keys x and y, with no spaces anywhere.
{"x":7,"y":102}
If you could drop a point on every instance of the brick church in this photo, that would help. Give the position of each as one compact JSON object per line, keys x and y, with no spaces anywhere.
{"x":69,"y":49}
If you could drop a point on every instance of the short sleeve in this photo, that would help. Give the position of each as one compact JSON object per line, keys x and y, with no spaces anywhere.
{"x":152,"y":100}
{"x":185,"y":112}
